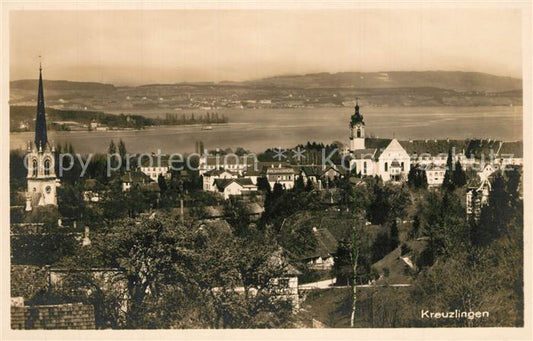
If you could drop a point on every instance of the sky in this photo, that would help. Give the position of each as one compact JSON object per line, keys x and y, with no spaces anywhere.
{"x":169,"y":46}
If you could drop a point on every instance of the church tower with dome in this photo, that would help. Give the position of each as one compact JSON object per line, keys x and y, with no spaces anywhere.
{"x":357,"y":129}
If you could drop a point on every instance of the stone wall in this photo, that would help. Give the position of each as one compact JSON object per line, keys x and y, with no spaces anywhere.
{"x":62,"y":316}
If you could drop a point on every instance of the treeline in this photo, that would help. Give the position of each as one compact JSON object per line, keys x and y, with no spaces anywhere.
{"x":26,"y":114}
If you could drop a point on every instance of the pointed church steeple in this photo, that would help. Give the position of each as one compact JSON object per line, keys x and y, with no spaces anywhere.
{"x":41,"y":138}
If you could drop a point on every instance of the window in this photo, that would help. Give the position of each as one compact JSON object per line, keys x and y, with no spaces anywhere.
{"x":386,"y":167}
{"x":47,"y":167}
{"x":364,"y":167}
{"x":402,"y":167}
{"x":358,"y":133}
{"x":34,"y":167}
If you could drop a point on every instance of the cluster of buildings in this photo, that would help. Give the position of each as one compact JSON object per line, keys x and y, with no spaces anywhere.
{"x":392,"y":160}
{"x":240,"y":175}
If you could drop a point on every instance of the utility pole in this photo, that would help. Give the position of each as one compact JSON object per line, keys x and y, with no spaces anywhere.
{"x":355,"y":256}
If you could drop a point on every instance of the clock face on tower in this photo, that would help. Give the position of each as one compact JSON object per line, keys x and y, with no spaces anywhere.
{"x":48,"y":189}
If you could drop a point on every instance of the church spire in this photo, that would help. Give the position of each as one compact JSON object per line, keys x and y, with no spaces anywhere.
{"x":41,"y":138}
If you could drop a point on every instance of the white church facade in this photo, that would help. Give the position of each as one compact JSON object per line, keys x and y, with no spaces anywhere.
{"x":385,"y":158}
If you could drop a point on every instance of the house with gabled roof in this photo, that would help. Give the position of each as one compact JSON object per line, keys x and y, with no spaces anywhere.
{"x":321,"y":256}
{"x":210,"y":176}
{"x":234,"y":186}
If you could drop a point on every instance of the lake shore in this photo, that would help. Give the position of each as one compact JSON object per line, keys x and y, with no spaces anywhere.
{"x":259,"y":129}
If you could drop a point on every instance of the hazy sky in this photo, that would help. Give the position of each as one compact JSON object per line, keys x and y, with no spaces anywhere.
{"x":139,"y":47}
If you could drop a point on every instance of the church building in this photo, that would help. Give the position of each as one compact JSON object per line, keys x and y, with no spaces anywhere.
{"x":42,"y":180}
{"x":382,"y":157}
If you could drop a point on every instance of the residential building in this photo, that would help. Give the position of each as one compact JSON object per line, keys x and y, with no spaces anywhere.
{"x":234,"y":186}
{"x":435,"y":175}
{"x":281,"y":174}
{"x":210,"y":176}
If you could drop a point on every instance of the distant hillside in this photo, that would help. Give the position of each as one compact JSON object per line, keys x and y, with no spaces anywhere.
{"x":392,"y":89}
{"x":51,"y":85}
{"x":452,"y":80}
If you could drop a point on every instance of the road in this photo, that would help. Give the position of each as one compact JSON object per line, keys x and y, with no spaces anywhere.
{"x":329,"y":284}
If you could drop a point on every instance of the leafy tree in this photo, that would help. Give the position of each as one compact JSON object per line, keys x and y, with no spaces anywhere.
{"x":136,"y":201}
{"x":17,"y":175}
{"x":114,"y":203}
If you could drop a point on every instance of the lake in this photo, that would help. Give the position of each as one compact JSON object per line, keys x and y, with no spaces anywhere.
{"x":259,"y":129}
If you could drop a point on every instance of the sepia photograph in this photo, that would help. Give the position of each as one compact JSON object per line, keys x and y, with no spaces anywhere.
{"x":354,"y":165}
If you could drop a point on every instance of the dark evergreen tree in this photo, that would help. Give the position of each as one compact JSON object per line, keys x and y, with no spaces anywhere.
{"x":496,"y":215}
{"x":448,"y":176}
{"x":378,"y":212}
{"x":412,"y":177}
{"x":112,"y":149}
{"x":263,"y":185}
{"x":342,"y":265}
{"x":394,"y":235}
{"x":459,"y":175}
{"x":123,"y":152}
{"x":162,"y":183}
{"x":299,"y":183}
{"x":415,"y":231}
{"x":309,"y":186}
{"x":423,"y":179}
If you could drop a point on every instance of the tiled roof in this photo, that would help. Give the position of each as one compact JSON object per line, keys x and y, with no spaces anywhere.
{"x":367,"y":153}
{"x":151,"y":187}
{"x":514,"y":148}
{"x":280,"y":170}
{"x":219,"y":171}
{"x":432,"y":147}
{"x":252,"y":172}
{"x":326,"y":244}
{"x":135,"y":177}
{"x":221,"y":184}
{"x":482,"y":147}
{"x":255,"y":208}
{"x":91,"y":184}
{"x":229,"y":160}
{"x":312,"y":170}
{"x":377,"y":143}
